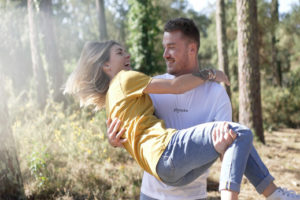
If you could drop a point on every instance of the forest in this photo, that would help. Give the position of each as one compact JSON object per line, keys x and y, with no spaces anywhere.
{"x":51,"y":148}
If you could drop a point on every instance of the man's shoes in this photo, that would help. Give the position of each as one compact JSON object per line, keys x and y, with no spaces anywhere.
{"x":283,"y":194}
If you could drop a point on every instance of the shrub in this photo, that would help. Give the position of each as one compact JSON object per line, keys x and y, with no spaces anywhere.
{"x":64,"y":152}
{"x":281,"y":105}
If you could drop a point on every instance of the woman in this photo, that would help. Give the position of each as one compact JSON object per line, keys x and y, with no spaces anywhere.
{"x":104,"y":76}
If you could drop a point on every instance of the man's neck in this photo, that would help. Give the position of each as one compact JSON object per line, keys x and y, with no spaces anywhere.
{"x":189,"y":70}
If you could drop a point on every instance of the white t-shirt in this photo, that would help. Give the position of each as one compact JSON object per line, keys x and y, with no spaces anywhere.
{"x":206,"y":103}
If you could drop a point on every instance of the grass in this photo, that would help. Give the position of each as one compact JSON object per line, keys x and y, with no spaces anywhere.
{"x":281,"y":154}
{"x":64,"y":154}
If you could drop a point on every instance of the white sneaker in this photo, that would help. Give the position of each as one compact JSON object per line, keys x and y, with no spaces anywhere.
{"x":283,"y":194}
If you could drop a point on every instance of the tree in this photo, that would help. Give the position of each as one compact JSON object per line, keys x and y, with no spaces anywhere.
{"x":143,"y":33}
{"x":55,"y":67}
{"x":222,"y":39}
{"x":250,"y":112}
{"x":39,"y":76}
{"x":11,"y":181}
{"x":276,"y":69}
{"x":101,"y":19}
{"x":118,"y":21}
{"x":13,"y":44}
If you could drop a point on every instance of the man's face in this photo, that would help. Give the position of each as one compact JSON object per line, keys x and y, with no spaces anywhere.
{"x":176,"y":53}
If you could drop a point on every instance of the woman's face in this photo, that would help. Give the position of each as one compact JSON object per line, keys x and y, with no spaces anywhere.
{"x":119,"y":60}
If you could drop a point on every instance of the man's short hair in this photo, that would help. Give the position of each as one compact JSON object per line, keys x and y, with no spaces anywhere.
{"x":186,"y":26}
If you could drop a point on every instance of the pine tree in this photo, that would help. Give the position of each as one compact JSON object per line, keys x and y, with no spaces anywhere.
{"x":250,"y":111}
{"x":222,"y":40}
{"x":11,"y":183}
{"x":143,"y":33}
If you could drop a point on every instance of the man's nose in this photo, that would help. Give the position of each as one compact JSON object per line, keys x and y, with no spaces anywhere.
{"x":166,"y":54}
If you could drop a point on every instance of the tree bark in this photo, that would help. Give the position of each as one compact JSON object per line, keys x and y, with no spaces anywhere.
{"x":11,"y":183}
{"x":55,"y":67}
{"x":222,"y":40}
{"x":101,"y":20}
{"x":250,"y":112}
{"x":39,"y":76}
{"x":275,"y":66}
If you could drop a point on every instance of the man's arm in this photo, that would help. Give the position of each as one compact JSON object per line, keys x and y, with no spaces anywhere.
{"x":223,"y":110}
{"x":223,"y":113}
{"x":183,"y":83}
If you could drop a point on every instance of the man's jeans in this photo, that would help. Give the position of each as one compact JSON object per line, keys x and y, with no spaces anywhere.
{"x":191,"y":151}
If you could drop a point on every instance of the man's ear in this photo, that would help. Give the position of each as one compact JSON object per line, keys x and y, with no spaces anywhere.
{"x":193,"y":48}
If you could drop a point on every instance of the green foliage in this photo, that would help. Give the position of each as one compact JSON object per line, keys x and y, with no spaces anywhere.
{"x":143,"y":32}
{"x":38,"y":167}
{"x":65,"y":153}
{"x":289,"y":38}
{"x":281,"y":105}
{"x":116,"y":19}
{"x":63,"y":149}
{"x":208,"y":48}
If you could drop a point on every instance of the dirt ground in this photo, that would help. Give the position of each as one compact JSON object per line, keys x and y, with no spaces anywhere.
{"x":281,"y":154}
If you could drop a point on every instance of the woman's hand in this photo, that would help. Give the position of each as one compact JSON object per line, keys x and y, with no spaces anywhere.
{"x":114,"y":134}
{"x":221,"y":77}
{"x":222,"y":137}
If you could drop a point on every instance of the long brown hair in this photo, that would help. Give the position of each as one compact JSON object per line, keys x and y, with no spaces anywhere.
{"x":88,"y":81}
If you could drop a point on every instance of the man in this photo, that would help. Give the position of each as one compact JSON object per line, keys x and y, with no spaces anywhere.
{"x":205,"y":103}
{"x":208,"y":102}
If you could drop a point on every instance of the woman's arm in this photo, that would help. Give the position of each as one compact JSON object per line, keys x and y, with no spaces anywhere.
{"x":183,"y":83}
{"x":114,"y":132}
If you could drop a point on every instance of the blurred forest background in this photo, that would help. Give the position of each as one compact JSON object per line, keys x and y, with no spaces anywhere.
{"x":51,"y":148}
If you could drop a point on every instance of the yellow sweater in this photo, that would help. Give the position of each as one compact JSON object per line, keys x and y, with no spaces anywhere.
{"x":146,"y":135}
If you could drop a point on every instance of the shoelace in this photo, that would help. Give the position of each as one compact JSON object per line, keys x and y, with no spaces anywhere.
{"x":289,"y":193}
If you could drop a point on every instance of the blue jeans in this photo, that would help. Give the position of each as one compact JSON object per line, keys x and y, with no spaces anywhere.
{"x":191,"y":151}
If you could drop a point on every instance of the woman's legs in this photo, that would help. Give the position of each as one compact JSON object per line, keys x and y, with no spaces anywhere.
{"x":256,"y":172}
{"x":191,"y":151}
{"x":235,"y":158}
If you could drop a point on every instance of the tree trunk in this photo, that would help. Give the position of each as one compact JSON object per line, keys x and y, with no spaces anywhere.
{"x":39,"y":77}
{"x":250,"y":112}
{"x":55,"y":67}
{"x":122,"y":26}
{"x":222,"y":40}
{"x":11,"y":183}
{"x":275,"y":66}
{"x":101,"y":20}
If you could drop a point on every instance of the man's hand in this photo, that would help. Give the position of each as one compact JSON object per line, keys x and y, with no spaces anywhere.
{"x":114,"y":134}
{"x":222,"y":77}
{"x":222,"y":138}
{"x":212,"y":75}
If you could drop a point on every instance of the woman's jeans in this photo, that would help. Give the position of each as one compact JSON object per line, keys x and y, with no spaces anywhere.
{"x":191,"y":151}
